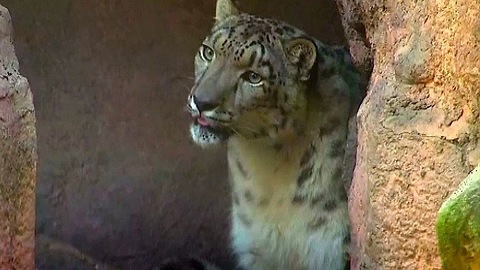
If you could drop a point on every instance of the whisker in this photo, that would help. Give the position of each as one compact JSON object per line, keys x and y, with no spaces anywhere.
{"x":186,"y":77}
{"x":247,"y":127}
{"x":182,"y":82}
{"x":236,"y":131}
{"x":186,"y":87}
{"x":220,"y":121}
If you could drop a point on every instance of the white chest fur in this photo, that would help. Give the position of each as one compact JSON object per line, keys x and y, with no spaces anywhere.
{"x":271,"y":227}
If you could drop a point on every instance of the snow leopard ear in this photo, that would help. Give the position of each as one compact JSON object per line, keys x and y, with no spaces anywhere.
{"x":302,"y":53}
{"x":225,"y":9}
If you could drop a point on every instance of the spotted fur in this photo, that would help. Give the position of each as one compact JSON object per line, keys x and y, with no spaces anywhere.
{"x":281,"y":100}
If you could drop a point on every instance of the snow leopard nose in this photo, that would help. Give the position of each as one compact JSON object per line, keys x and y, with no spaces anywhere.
{"x":203,"y":106}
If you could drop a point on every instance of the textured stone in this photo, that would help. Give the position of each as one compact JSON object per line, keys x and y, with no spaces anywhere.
{"x":458,"y":226}
{"x":18,"y":158}
{"x":418,"y":129}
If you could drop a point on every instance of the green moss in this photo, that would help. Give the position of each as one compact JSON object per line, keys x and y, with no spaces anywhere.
{"x":458,"y":226}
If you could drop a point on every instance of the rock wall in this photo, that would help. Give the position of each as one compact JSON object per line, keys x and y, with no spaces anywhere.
{"x":418,"y":127}
{"x":18,"y":158}
{"x":119,"y":180}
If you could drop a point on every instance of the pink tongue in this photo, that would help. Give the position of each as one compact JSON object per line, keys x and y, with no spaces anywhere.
{"x":202,"y":121}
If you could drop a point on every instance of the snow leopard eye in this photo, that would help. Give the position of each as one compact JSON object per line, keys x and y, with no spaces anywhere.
{"x":252,"y":77}
{"x":207,"y":53}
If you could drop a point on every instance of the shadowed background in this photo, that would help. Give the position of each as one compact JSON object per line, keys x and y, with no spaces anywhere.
{"x":118,"y":177}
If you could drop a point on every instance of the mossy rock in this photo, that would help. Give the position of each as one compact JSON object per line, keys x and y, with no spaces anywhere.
{"x":458,"y":226}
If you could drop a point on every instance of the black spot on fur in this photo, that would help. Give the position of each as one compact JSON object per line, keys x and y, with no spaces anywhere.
{"x":317,"y":223}
{"x":329,"y":126}
{"x":307,"y":156}
{"x":305,"y":174}
{"x":241,"y":169}
{"x":253,"y":56}
{"x":244,"y":219}
{"x":288,"y":29}
{"x":337,"y":174}
{"x":278,"y":147}
{"x":337,"y":149}
{"x":330,"y":205}
{"x":262,"y":132}
{"x":248,"y":196}
{"x":262,"y":50}
{"x":263,"y":202}
{"x":298,"y":199}
{"x":235,"y":89}
{"x":317,"y":199}
{"x":283,"y":124}
{"x":214,"y":42}
{"x":272,"y":22}
{"x":298,"y":128}
{"x":269,"y":66}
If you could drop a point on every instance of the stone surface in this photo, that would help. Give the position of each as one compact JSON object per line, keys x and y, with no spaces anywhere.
{"x":119,"y":180}
{"x":458,"y":226}
{"x":418,"y":127}
{"x":17,"y":158}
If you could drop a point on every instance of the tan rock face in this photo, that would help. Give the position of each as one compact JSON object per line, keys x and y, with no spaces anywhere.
{"x":418,"y":127}
{"x":18,"y":158}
